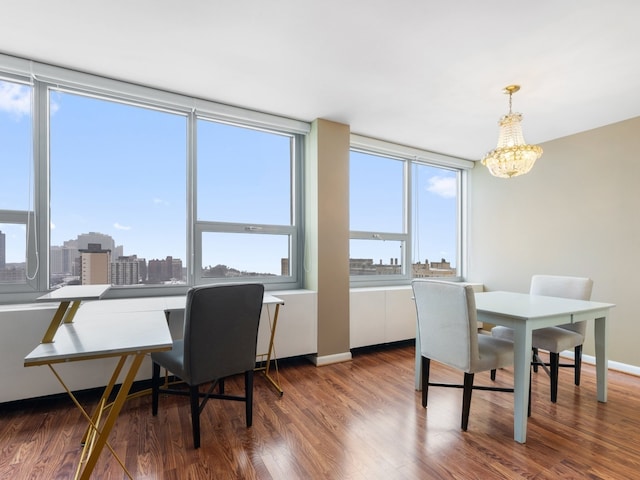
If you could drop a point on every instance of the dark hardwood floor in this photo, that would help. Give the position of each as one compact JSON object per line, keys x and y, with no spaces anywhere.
{"x":356,"y":420}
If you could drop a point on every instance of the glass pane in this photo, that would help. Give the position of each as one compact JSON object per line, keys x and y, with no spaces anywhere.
{"x":15,"y":146}
{"x":13,"y":253}
{"x":376,"y":193}
{"x":118,"y":192}
{"x":244,"y":175}
{"x":227,"y":255}
{"x":375,"y":257}
{"x":435,"y":221}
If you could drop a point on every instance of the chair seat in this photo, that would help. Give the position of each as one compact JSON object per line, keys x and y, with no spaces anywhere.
{"x":551,"y":339}
{"x":493,"y":353}
{"x":172,"y":360}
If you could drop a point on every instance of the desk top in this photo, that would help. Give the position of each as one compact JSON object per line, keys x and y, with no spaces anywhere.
{"x":179,"y":302}
{"x":144,"y":304}
{"x":100,"y":335}
{"x":75,"y":292}
{"x":525,"y":306}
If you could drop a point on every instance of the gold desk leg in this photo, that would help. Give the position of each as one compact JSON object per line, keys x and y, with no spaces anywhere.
{"x":89,"y":439}
{"x":68,"y":318}
{"x":64,"y":313}
{"x":271,"y":351}
{"x":114,"y":411}
{"x":94,"y":427}
{"x":55,"y":322}
{"x":105,"y":396}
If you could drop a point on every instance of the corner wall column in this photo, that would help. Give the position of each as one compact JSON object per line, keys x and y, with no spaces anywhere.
{"x":327,"y":235}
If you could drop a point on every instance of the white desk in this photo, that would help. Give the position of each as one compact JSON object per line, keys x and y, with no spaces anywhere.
{"x":128,"y":335}
{"x":177,"y":303}
{"x":125,"y":329}
{"x":525,"y":313}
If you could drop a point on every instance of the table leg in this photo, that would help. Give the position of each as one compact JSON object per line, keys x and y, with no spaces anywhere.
{"x":65,"y":313}
{"x":92,"y":447}
{"x":55,"y":322}
{"x":602,"y":361}
{"x":418,"y":361}
{"x":521,"y":369}
{"x":271,"y":351}
{"x":114,"y":411}
{"x":105,"y":396}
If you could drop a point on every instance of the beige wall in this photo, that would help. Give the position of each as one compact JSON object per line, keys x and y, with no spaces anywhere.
{"x":327,"y":235}
{"x":575,"y":213}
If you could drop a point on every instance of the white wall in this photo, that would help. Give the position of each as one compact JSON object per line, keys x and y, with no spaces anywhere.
{"x":575,"y":213}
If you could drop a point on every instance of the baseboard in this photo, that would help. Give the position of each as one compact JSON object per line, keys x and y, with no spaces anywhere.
{"x":323,"y":360}
{"x":618,"y":366}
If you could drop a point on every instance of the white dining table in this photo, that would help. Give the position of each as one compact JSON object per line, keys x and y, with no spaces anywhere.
{"x":524,"y":313}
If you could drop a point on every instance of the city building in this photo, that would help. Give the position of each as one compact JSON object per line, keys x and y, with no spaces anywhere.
{"x":125,"y":271}
{"x":167,"y":270}
{"x":433,"y":269}
{"x":95,"y":265}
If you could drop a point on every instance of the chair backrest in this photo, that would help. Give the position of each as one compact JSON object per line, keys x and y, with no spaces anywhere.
{"x":447,"y":322}
{"x":578,"y":288}
{"x":221,"y":330}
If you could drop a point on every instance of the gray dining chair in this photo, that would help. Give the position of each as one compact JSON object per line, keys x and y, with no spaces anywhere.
{"x":448,"y":328}
{"x":555,"y":339}
{"x":220,"y":336}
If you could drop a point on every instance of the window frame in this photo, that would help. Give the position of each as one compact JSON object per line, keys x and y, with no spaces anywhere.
{"x":411,"y":156}
{"x":24,"y":217}
{"x":292,"y":231}
{"x":43,"y":77}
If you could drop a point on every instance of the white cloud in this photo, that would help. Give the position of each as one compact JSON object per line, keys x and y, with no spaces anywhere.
{"x":15,"y":99}
{"x":159,"y":201}
{"x":117,"y":226}
{"x":446,"y":187}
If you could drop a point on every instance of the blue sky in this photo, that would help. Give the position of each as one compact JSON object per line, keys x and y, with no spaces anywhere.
{"x":120,"y":170}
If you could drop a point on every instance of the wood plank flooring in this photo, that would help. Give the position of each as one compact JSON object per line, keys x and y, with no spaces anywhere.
{"x":356,"y":420}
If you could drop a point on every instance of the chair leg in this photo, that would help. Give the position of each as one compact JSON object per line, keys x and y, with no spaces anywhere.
{"x":426,"y":363}
{"x":493,"y":374}
{"x":529,"y":406}
{"x":248,"y":393}
{"x":577,"y":363}
{"x":535,"y":360}
{"x":221,"y":386}
{"x":466,"y":399}
{"x":155,"y":385}
{"x":194,"y":396}
{"x":554,"y":364}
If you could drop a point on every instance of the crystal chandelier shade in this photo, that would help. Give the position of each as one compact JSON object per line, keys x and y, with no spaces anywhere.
{"x":512,"y":156}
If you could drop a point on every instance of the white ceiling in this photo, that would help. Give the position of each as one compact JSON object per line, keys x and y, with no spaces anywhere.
{"x":424,"y":73}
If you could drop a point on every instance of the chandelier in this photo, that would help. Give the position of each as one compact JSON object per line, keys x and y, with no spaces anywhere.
{"x":512,"y":156}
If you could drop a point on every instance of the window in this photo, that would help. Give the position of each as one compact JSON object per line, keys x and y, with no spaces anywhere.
{"x":405,"y":214}
{"x":245,"y":202}
{"x":377,"y":204}
{"x":16,"y":191}
{"x":118,"y":192}
{"x":109,"y":182}
{"x":435,"y":224}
